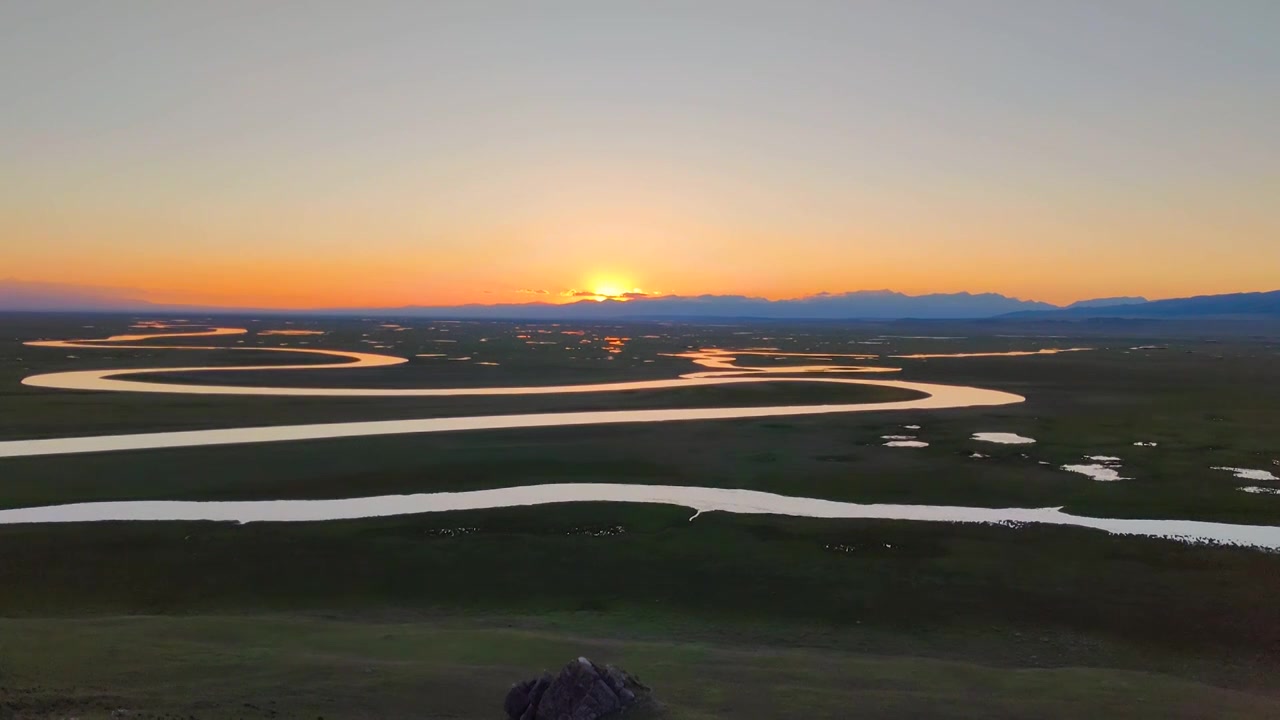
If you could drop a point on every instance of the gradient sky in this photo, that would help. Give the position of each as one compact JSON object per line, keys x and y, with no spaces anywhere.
{"x":319,"y":154}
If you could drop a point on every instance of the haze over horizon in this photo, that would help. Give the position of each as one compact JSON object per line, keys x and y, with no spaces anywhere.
{"x":250,"y":155}
{"x":88,"y":296}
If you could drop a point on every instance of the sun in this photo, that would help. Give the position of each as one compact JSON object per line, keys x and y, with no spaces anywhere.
{"x":612,"y":287}
{"x":609,"y":287}
{"x":608,"y":290}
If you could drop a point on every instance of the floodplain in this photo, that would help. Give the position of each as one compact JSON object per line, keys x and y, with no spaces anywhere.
{"x":744,"y":615}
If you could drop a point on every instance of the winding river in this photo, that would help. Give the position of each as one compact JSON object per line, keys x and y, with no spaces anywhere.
{"x":720,"y":363}
{"x":700,"y":499}
{"x":721,"y":369}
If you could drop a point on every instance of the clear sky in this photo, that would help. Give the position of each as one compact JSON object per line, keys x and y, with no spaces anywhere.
{"x":374,"y":153}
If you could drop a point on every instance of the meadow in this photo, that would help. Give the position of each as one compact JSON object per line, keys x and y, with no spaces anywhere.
{"x":725,"y":615}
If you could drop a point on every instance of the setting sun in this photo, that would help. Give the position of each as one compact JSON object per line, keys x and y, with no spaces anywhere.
{"x":610,"y":286}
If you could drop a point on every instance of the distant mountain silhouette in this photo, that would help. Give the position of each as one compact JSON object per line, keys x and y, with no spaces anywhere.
{"x":862,"y":305}
{"x":1257,"y":304}
{"x":41,"y":296}
{"x":1107,"y":302}
{"x":867,"y":304}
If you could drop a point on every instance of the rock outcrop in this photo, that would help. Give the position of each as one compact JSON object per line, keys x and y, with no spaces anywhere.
{"x":583,"y":690}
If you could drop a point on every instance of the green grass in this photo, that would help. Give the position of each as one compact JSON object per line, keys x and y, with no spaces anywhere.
{"x":296,"y":667}
{"x":1174,"y":607}
{"x":835,"y":457}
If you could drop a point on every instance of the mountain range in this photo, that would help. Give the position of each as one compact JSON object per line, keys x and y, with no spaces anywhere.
{"x":1255,"y":304}
{"x":861,"y":305}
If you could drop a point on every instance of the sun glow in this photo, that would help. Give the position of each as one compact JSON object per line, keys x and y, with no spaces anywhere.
{"x":611,"y":287}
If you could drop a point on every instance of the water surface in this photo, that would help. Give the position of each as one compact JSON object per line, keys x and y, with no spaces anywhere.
{"x":699,"y":499}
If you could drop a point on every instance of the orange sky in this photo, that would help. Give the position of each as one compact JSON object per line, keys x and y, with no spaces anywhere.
{"x":447,"y":154}
{"x":336,"y":256}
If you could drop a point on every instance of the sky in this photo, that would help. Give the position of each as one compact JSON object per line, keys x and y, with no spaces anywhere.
{"x":318,"y":154}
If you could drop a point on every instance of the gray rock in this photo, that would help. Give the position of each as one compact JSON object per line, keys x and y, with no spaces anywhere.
{"x":522,"y":700}
{"x":581,"y":691}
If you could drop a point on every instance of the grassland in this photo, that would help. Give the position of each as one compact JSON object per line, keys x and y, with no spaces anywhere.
{"x":728,"y":616}
{"x":273,"y":666}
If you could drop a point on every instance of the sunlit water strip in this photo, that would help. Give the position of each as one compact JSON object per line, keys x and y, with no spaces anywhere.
{"x":723,"y":372}
{"x":1007,"y":353}
{"x":700,"y":499}
{"x":944,"y":397}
